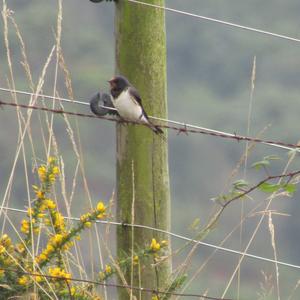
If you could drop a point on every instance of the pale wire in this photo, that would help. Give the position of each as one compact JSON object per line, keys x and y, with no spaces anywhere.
{"x":179,"y":237}
{"x":218,"y":21}
{"x":184,"y":125}
{"x":148,"y":227}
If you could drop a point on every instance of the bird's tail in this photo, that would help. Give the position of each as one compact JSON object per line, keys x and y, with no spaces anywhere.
{"x":157,"y":130}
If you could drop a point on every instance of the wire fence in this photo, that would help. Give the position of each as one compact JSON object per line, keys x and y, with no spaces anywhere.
{"x":179,"y":128}
{"x":136,"y":288}
{"x":175,"y":235}
{"x":229,"y":24}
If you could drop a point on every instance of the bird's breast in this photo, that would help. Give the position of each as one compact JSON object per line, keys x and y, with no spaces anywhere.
{"x":127,"y":107}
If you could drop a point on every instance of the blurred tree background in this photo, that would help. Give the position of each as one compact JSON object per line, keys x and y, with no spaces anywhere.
{"x":209,"y":83}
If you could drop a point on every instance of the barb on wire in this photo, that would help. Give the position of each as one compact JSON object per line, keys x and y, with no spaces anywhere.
{"x":175,"y":235}
{"x":166,"y":121}
{"x":142,"y":289}
{"x":187,"y":127}
{"x":230,"y":24}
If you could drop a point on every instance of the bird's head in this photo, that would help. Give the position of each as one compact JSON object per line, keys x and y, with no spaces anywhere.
{"x":119,"y":83}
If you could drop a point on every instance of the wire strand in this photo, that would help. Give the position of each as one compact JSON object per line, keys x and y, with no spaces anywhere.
{"x":281,"y":36}
{"x":228,"y":250}
{"x":184,"y":127}
{"x":147,"y":290}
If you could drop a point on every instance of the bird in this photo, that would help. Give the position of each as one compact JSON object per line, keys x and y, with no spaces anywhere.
{"x":128,"y":102}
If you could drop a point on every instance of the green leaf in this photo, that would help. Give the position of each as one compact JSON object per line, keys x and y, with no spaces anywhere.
{"x":240,"y":184}
{"x":258,"y":165}
{"x":290,"y":188}
{"x":272,"y":157}
{"x":195,"y":224}
{"x":269,"y":187}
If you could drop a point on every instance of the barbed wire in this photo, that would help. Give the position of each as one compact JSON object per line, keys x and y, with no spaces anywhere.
{"x":175,"y":235}
{"x":186,"y":130}
{"x":47,"y":96}
{"x":184,"y":127}
{"x":230,"y":24}
{"x":125,"y":286}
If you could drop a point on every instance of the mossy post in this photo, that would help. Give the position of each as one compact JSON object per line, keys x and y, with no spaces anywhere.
{"x":141,"y":154}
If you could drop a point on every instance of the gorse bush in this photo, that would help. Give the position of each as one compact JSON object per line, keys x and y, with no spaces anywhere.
{"x":27,"y":267}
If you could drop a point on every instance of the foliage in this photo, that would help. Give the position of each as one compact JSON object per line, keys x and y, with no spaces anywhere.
{"x":241,"y":188}
{"x":48,"y":270}
{"x":210,"y":72}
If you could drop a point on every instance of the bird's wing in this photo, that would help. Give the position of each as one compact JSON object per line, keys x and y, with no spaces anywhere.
{"x":133,"y":92}
{"x":136,"y":96}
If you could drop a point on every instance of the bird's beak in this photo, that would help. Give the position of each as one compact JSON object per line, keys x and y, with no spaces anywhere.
{"x":111,"y":82}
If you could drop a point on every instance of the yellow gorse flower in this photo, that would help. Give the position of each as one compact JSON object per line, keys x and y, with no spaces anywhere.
{"x":49,"y":203}
{"x":42,"y":171}
{"x":47,"y":174}
{"x":107,"y":269}
{"x":155,"y":246}
{"x":54,"y":271}
{"x":50,"y":248}
{"x":73,"y":290}
{"x":87,"y":224}
{"x":25,"y":225}
{"x":42,"y":257}
{"x":58,"y":272}
{"x":84,"y":218}
{"x":30,"y":212}
{"x":57,"y":239}
{"x":101,"y":207}
{"x":20,"y":247}
{"x":105,"y":273}
{"x":51,"y":159}
{"x":135,"y":260}
{"x":51,"y":177}
{"x":23,"y":280}
{"x":2,"y":249}
{"x":39,"y":194}
{"x":55,"y":170}
{"x":5,"y":240}
{"x":59,"y":221}
{"x":101,"y":210}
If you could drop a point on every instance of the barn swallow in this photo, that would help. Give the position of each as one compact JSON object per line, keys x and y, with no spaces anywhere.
{"x":128,"y":102}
